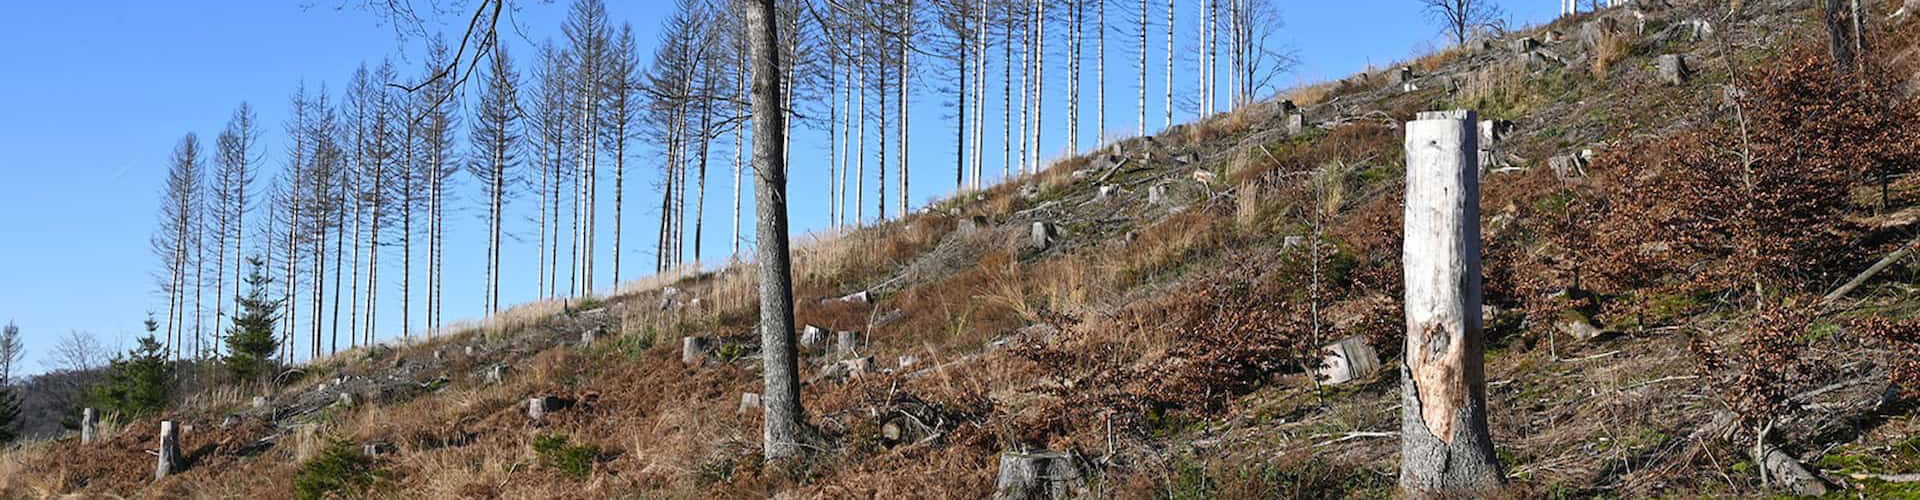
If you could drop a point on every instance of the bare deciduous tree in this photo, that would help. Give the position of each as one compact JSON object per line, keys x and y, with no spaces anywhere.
{"x":785,"y":421}
{"x":1459,"y":18}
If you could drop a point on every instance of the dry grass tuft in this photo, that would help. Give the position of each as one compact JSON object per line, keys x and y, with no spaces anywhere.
{"x":1612,"y":48}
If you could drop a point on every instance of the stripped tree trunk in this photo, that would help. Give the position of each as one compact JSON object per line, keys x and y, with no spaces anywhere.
{"x":1446,"y":451}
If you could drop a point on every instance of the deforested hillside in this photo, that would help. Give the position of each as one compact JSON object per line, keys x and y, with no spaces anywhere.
{"x":1693,"y":224}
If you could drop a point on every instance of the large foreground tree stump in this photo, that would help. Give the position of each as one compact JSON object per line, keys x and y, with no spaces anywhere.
{"x":169,"y":458}
{"x":1047,"y":474}
{"x":1445,"y":450}
{"x":694,"y":349}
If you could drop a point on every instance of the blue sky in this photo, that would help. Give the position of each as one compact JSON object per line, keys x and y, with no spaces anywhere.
{"x":98,"y":92}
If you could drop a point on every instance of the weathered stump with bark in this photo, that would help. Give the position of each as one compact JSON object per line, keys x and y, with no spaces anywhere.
{"x":813,"y":336}
{"x":169,"y":459}
{"x":1445,"y":447}
{"x":1047,"y":474}
{"x":694,"y":349}
{"x":1673,"y":69}
{"x":846,"y":343}
{"x":89,"y":425}
{"x":749,"y":402}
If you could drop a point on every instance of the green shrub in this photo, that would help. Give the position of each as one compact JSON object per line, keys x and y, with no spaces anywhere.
{"x":574,"y":460}
{"x":339,"y":469}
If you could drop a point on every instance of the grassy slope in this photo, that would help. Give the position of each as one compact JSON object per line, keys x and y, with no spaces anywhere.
{"x":1162,"y":342}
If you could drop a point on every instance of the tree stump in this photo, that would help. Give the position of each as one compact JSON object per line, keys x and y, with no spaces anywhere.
{"x":169,"y":459}
{"x":1400,"y":75}
{"x":306,"y":441}
{"x":813,"y":336}
{"x":860,"y":297}
{"x":1046,"y":474}
{"x":694,"y":349}
{"x":1523,"y":45}
{"x":1156,"y":194}
{"x":847,"y":343}
{"x":857,"y":367}
{"x":1041,"y":236}
{"x":497,"y":374}
{"x":749,"y":402}
{"x":1673,"y":69}
{"x":908,"y":360}
{"x":1348,"y":360}
{"x":1446,"y":450}
{"x":345,"y":400}
{"x":539,"y":406}
{"x":1296,"y":123}
{"x":89,"y":424}
{"x":377,"y":448}
{"x":586,"y":338}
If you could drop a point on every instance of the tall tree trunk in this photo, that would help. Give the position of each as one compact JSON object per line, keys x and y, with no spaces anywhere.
{"x":1039,"y":77}
{"x":1446,"y":451}
{"x":860,"y":139}
{"x":1169,"y":109}
{"x":1100,"y":73}
{"x":1006,"y":99}
{"x":906,"y":67}
{"x":700,"y":196}
{"x":1142,"y":105}
{"x":784,"y":417}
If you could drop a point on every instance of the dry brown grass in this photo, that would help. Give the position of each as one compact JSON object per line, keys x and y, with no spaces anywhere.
{"x":1612,"y":48}
{"x":1310,"y":94}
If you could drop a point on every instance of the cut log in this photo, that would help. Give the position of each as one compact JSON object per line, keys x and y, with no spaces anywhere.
{"x":1047,"y":474}
{"x":89,"y":425}
{"x":1788,"y":473}
{"x":1203,"y":177}
{"x":860,"y":297}
{"x":1348,"y":360}
{"x":694,"y":349}
{"x":1882,"y":265}
{"x":169,"y":460}
{"x":377,"y":448}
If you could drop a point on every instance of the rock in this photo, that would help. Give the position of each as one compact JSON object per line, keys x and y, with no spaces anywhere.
{"x":1203,"y":177}
{"x":1156,"y":194}
{"x":1673,"y":69}
{"x":1042,"y":235}
{"x":1187,"y":158}
{"x":813,"y":336}
{"x":1348,"y":360}
{"x":1523,"y":45}
{"x":694,"y":349}
{"x":1296,"y":123}
{"x":377,"y":448}
{"x":847,"y":343}
{"x":749,"y":402}
{"x":1580,"y":328}
{"x":1038,"y":475}
{"x":1400,"y":75}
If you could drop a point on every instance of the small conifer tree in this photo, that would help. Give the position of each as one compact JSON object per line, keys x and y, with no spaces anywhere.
{"x":139,"y":382}
{"x":251,"y":342}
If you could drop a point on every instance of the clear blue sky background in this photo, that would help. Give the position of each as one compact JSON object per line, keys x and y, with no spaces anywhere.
{"x":97,"y":93}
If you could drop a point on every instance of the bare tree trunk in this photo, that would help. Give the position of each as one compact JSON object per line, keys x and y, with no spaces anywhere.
{"x":1006,"y":114}
{"x":1446,"y":451}
{"x":1142,"y":104}
{"x":1039,"y":77}
{"x":1100,"y":74}
{"x":860,"y":139}
{"x":1169,"y":109}
{"x":906,"y":67}
{"x":785,"y":419}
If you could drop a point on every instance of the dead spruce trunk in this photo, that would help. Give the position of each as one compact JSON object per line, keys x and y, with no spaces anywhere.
{"x":89,"y":421}
{"x":1445,"y":450}
{"x":169,"y":450}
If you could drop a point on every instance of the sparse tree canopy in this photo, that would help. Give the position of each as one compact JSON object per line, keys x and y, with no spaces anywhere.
{"x":1459,"y":18}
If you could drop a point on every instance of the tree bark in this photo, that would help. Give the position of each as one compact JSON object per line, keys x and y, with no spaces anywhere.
{"x":1445,"y":448}
{"x":784,"y":419}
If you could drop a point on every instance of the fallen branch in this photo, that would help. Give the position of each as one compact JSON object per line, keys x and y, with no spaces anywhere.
{"x":1882,"y":265}
{"x":1354,"y":435}
{"x":1891,"y":478}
